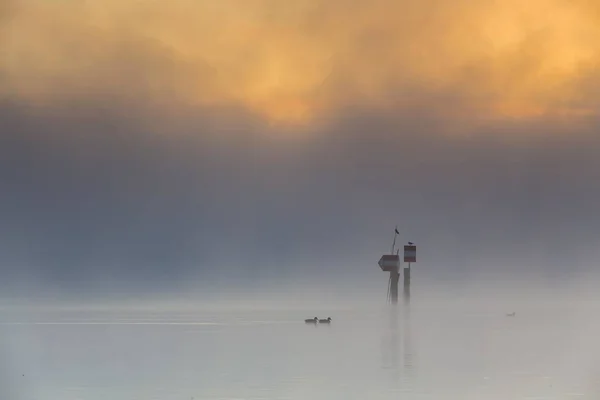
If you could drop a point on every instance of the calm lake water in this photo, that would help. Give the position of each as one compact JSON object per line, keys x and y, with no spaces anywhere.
{"x":434,"y":351}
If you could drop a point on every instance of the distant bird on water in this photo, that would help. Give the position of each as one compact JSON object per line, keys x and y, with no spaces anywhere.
{"x":512,"y":314}
{"x":325,"y":321}
{"x":311,"y":321}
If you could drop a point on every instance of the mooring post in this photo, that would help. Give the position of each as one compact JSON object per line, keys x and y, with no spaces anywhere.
{"x":410,"y":256}
{"x":391,"y":263}
{"x":407,"y":285}
{"x":394,"y":278}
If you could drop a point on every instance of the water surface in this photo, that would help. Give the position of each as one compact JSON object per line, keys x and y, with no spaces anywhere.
{"x":439,"y":351}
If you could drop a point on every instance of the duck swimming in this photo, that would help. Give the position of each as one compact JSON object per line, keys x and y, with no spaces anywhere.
{"x":325,"y":321}
{"x":311,"y":321}
{"x":512,"y":314}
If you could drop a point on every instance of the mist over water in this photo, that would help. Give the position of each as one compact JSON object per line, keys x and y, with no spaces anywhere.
{"x":447,"y":344}
{"x":183,"y":183}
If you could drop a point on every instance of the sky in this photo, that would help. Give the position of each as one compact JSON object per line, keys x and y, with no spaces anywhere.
{"x":151,"y":144}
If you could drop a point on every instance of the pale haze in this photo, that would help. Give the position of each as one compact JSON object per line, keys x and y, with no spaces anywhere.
{"x":226,"y":169}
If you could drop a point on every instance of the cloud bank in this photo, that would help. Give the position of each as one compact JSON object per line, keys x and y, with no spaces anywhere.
{"x":308,"y":58}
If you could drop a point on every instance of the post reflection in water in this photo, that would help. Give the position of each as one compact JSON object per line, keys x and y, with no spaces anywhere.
{"x":390,"y":348}
{"x":397,"y":349}
{"x":407,"y":353}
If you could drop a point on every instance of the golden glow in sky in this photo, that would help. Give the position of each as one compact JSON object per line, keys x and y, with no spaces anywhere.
{"x":289,"y":61}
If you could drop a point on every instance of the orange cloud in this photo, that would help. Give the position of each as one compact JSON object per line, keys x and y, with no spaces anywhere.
{"x":294,"y":60}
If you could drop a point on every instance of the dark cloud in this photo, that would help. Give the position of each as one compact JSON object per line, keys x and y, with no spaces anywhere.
{"x":101,"y":196}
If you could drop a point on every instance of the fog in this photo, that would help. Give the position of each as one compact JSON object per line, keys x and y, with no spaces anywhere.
{"x":226,"y":169}
{"x":145,"y":206}
{"x":447,"y":344}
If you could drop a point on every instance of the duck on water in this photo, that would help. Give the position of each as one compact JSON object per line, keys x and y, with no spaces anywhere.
{"x":311,"y":320}
{"x":325,"y":321}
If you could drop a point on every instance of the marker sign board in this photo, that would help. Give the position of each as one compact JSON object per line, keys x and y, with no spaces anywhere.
{"x":389,"y":262}
{"x":410,"y":254}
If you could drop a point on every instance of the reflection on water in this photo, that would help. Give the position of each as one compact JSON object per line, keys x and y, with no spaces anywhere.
{"x":407,"y":351}
{"x":390,"y":343}
{"x":398,"y":354}
{"x":378,"y":353}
